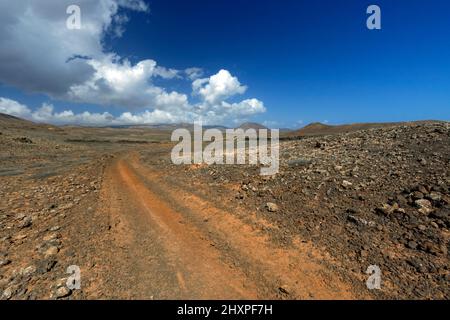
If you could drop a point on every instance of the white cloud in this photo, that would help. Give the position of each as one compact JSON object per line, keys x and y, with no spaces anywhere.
{"x":146,"y":117}
{"x":118,"y":28}
{"x":120,"y":83}
{"x":247,"y":107}
{"x":212,"y":115}
{"x":46,"y":114}
{"x":218,"y":87}
{"x":13,"y":108}
{"x":194,"y":73}
{"x":36,"y":47}
{"x":137,"y":5}
{"x":167,"y":73}
{"x":39,"y":54}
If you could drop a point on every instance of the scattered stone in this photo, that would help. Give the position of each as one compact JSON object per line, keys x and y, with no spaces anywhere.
{"x":28,"y":271}
{"x":26,"y":222}
{"x":386,"y":209}
{"x":62,"y":292}
{"x":412,"y":245}
{"x":51,"y":251}
{"x":19,"y":237}
{"x":7,"y":294}
{"x":422,"y":189}
{"x":20,"y":216}
{"x":4,"y":262}
{"x":399,"y":210}
{"x":62,"y":282}
{"x":50,"y":237}
{"x":435,"y":196}
{"x":346,"y":184}
{"x":424,"y":205}
{"x":271,"y":207}
{"x":421,"y":227}
{"x":45,"y":265}
{"x":361,"y":221}
{"x":417,"y":195}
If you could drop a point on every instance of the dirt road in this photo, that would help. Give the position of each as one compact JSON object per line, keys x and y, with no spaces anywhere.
{"x":111,"y":202}
{"x":171,"y":244}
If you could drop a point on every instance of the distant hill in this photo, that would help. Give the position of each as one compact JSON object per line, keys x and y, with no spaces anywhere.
{"x":317,"y":128}
{"x":165,"y":126}
{"x":161,"y":126}
{"x":11,"y":122}
{"x":8,"y":120}
{"x":313,"y":129}
{"x":16,"y":124}
{"x":251,"y":125}
{"x":320,"y":129}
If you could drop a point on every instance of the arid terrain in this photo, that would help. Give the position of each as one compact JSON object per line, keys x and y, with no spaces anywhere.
{"x":110,"y":201}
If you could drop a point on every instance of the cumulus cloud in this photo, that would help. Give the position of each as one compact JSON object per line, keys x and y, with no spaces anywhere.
{"x":247,"y":107}
{"x":39,"y":54}
{"x":213,"y":115}
{"x":46,"y":114}
{"x":118,"y":82}
{"x":13,"y":108}
{"x":218,"y":87}
{"x":36,"y":46}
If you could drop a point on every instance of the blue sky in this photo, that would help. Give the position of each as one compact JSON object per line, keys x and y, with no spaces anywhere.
{"x":305,"y":61}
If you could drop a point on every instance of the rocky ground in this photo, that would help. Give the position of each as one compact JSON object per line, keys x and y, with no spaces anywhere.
{"x":43,"y":184}
{"x":372,"y":197}
{"x":346,"y":201}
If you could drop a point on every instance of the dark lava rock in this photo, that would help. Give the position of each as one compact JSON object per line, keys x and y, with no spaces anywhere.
{"x":45,"y":265}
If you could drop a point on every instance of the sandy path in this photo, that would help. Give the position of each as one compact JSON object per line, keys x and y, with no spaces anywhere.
{"x":174,"y":245}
